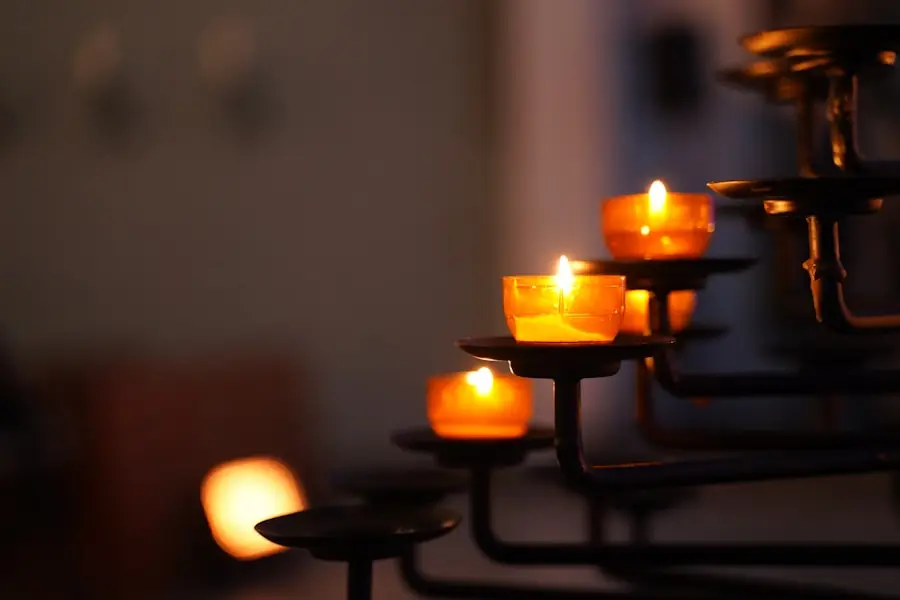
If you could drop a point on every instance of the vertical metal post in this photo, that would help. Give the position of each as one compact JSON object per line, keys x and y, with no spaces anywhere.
{"x":359,"y":579}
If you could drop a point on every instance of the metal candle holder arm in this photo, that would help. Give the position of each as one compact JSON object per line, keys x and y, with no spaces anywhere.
{"x":826,"y":280}
{"x":627,"y":562}
{"x":824,"y":202}
{"x":645,"y":556}
{"x":567,"y":364}
{"x":661,"y":277}
{"x":747,"y":468}
{"x":664,"y":370}
{"x":731,"y":440}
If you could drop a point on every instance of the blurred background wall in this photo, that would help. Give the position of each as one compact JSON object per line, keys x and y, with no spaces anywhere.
{"x":337,"y":208}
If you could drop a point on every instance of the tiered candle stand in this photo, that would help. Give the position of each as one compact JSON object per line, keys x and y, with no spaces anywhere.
{"x":800,"y":66}
{"x":637,"y":562}
{"x":567,"y":364}
{"x":420,"y":489}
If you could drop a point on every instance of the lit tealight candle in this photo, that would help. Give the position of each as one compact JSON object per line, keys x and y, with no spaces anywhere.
{"x":564,"y":307}
{"x":637,"y":317}
{"x":479,"y":404}
{"x":658,"y":224}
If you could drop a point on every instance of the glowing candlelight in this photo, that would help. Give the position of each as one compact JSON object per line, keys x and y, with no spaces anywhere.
{"x":564,"y":307}
{"x":658,"y":224}
{"x":479,"y":404}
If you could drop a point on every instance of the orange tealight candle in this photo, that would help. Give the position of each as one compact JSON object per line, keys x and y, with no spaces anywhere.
{"x":658,"y":225}
{"x":637,"y":317}
{"x":479,"y":404}
{"x":564,"y":307}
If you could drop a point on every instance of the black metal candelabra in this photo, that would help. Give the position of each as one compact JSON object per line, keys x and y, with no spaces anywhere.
{"x":804,"y":67}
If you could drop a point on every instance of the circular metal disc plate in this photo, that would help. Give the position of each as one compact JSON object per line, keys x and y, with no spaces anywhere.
{"x":345,"y":533}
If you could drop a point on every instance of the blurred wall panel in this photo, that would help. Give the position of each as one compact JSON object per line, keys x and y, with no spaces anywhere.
{"x":560,"y":125}
{"x":354,"y":226}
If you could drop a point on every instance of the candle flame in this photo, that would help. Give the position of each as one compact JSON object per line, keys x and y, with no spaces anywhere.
{"x":482,"y":380}
{"x":657,"y":197}
{"x":564,"y":276}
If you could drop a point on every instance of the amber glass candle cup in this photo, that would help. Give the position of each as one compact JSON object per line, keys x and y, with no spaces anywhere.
{"x":588,"y":308}
{"x":479,"y":405}
{"x":657,"y":225}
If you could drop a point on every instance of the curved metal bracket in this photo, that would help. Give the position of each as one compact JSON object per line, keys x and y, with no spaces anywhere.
{"x":826,"y":282}
{"x":670,"y":586}
{"x":359,"y":579}
{"x":619,"y":558}
{"x":760,"y":383}
{"x":761,"y":466}
{"x":843,"y":126}
{"x":734,"y":439}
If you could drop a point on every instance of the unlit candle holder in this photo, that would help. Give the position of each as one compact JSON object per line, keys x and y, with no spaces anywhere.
{"x":358,"y":535}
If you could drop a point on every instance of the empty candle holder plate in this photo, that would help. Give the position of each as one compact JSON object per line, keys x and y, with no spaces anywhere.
{"x":348,"y":533}
{"x":836,"y":196}
{"x":666,"y":274}
{"x":468,"y":453}
{"x":410,"y":487}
